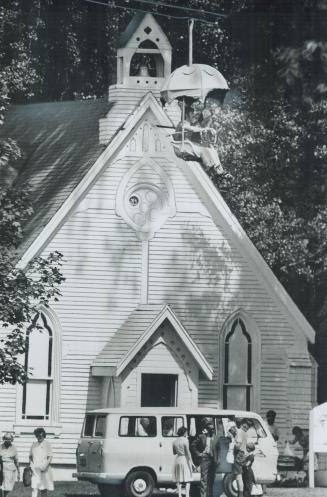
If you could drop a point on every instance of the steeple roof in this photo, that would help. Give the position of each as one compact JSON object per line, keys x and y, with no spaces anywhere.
{"x":130,"y":30}
{"x":143,"y":26}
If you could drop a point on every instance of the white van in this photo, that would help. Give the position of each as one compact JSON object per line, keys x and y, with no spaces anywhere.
{"x":117,"y":447}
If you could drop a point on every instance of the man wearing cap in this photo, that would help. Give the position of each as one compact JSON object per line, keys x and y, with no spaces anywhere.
{"x":204,"y":450}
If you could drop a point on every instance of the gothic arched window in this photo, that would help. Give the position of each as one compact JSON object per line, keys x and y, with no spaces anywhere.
{"x":39,"y":363}
{"x":238,"y":368}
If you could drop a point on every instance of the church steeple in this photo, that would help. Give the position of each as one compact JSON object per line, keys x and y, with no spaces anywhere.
{"x":144,"y":54}
{"x":143,"y":65}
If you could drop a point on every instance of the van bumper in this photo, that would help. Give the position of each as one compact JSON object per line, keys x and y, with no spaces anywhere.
{"x":97,"y":478}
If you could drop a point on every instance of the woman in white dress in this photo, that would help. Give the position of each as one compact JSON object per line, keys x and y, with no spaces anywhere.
{"x":8,"y":454}
{"x":182,"y":471}
{"x":40,"y":459}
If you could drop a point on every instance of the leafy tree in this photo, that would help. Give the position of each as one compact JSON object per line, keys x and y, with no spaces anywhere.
{"x":21,"y":292}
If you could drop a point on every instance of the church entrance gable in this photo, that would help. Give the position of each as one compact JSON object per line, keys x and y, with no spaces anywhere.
{"x":163,"y":373}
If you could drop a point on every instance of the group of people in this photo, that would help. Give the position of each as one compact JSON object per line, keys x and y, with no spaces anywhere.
{"x":300,"y":438}
{"x":204,"y":451}
{"x":196,"y":135}
{"x":40,"y":463}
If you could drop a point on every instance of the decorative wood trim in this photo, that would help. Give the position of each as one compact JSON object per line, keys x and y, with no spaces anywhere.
{"x":167,"y":313}
{"x":145,"y":272}
{"x":167,"y":198}
{"x":147,"y":103}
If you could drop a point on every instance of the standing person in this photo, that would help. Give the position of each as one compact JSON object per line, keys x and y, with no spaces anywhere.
{"x":10,"y":469}
{"x":40,"y":458}
{"x":204,"y":455}
{"x":301,"y":438}
{"x":271,"y":417}
{"x":240,"y":440}
{"x":183,"y":462}
{"x":247,"y":474}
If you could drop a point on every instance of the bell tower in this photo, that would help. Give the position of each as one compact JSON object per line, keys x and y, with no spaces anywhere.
{"x":144,"y":54}
{"x":143,"y":65}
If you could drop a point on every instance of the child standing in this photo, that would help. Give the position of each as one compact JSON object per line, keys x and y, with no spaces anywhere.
{"x":247,"y":472}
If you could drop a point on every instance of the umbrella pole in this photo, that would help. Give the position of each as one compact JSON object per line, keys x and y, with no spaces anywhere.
{"x":190,"y":41}
{"x":183,"y":120}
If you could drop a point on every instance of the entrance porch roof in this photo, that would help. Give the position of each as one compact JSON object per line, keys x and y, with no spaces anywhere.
{"x":129,"y":339}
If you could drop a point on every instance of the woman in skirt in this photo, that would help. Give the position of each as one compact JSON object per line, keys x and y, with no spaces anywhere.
{"x":40,"y":459}
{"x":182,"y":471}
{"x":9,"y":459}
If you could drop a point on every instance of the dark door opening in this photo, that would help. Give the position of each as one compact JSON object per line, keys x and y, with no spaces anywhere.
{"x":159,"y":390}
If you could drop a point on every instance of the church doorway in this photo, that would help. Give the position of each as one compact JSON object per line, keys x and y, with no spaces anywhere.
{"x":159,"y":390}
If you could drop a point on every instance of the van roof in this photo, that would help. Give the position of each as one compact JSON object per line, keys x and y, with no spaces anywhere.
{"x":168,"y":411}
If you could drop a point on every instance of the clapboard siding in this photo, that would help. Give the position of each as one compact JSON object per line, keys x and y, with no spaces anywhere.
{"x":299,"y":394}
{"x":7,"y":406}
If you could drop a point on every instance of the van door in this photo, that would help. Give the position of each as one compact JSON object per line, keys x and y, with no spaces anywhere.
{"x":137,"y":445}
{"x":83,"y":444}
{"x":195,"y":425}
{"x":89,"y":450}
{"x":95,"y":449}
{"x":167,"y":433}
{"x":266,"y":452}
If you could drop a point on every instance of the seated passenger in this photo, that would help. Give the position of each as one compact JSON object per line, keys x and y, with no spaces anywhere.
{"x":168,"y":427}
{"x":143,"y":427}
{"x":199,"y":140}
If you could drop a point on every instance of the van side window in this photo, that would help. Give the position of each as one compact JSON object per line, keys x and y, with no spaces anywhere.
{"x":170,"y":425}
{"x":257,"y":428}
{"x":100,"y":426}
{"x":133,"y":426}
{"x":197,"y":423}
{"x":88,"y":425}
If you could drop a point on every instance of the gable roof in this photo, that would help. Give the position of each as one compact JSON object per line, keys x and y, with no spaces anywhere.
{"x":135,"y":332}
{"x":131,"y":28}
{"x":59,"y":142}
{"x":87,"y":176}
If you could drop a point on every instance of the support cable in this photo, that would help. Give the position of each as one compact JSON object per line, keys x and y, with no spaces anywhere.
{"x":114,"y":4}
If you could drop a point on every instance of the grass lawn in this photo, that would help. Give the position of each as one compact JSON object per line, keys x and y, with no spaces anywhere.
{"x":81,"y":489}
{"x":296,"y":492}
{"x":62,"y":489}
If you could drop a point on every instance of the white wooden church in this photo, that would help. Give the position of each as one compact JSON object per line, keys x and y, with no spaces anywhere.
{"x":166,"y":300}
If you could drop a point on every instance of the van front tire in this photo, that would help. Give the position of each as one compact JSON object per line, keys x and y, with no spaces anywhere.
{"x":139,"y":483}
{"x":230,"y":487}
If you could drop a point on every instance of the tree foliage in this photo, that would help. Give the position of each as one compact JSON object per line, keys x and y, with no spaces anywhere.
{"x":21,"y":292}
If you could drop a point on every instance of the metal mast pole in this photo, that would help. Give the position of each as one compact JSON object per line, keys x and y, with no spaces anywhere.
{"x":190,"y":41}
